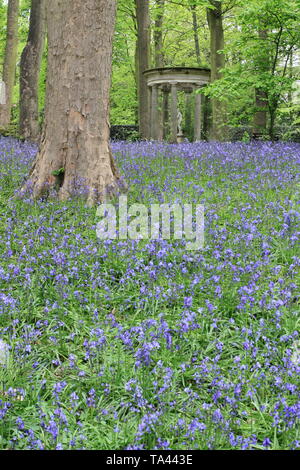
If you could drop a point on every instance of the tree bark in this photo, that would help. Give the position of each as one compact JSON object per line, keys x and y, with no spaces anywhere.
{"x":30,"y":70}
{"x":260,"y":116}
{"x":261,"y":97}
{"x":272,"y":124}
{"x":75,"y":156}
{"x":10,"y":59}
{"x":159,"y":58}
{"x":215,"y":23}
{"x":158,"y":34}
{"x":143,"y":60}
{"x":195,"y":30}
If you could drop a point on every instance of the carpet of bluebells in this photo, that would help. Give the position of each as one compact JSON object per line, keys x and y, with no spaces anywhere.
{"x":143,"y":344}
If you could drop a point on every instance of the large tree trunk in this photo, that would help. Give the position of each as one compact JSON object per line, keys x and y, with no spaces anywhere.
{"x":75,"y":155}
{"x":215,"y":23}
{"x":10,"y":59}
{"x":143,"y":56}
{"x":30,"y":70}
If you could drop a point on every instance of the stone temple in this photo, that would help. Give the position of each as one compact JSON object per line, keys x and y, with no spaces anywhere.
{"x":165,"y":116}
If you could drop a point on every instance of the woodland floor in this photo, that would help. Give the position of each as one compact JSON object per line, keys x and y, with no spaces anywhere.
{"x":143,"y":344}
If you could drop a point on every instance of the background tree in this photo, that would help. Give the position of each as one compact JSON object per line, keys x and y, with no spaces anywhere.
{"x":10,"y":58}
{"x":143,"y":61}
{"x":193,"y":8}
{"x":217,"y":63}
{"x":123,"y":103}
{"x":30,"y":70}
{"x":261,"y":98}
{"x":261,"y":80}
{"x":3,"y":22}
{"x":75,"y":148}
{"x":158,"y":34}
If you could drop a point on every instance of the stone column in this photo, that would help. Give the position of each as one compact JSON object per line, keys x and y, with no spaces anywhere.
{"x":165,"y":111}
{"x":150,"y":112}
{"x":197,"y":120}
{"x":160,"y":129}
{"x":154,"y":113}
{"x":188,"y":113}
{"x":2,"y":93}
{"x":174,"y":123}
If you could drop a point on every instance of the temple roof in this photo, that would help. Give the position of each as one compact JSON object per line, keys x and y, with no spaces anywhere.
{"x":196,"y":76}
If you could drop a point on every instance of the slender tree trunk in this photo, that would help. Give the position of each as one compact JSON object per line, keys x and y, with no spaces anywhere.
{"x":159,"y":58}
{"x":143,"y":56}
{"x":261,"y":97}
{"x":136,"y":77}
{"x":74,"y":152}
{"x":272,"y":124}
{"x":30,"y":70}
{"x":273,"y":103}
{"x":10,"y":59}
{"x":215,"y":23}
{"x":290,"y":71}
{"x":195,"y":30}
{"x":158,"y":34}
